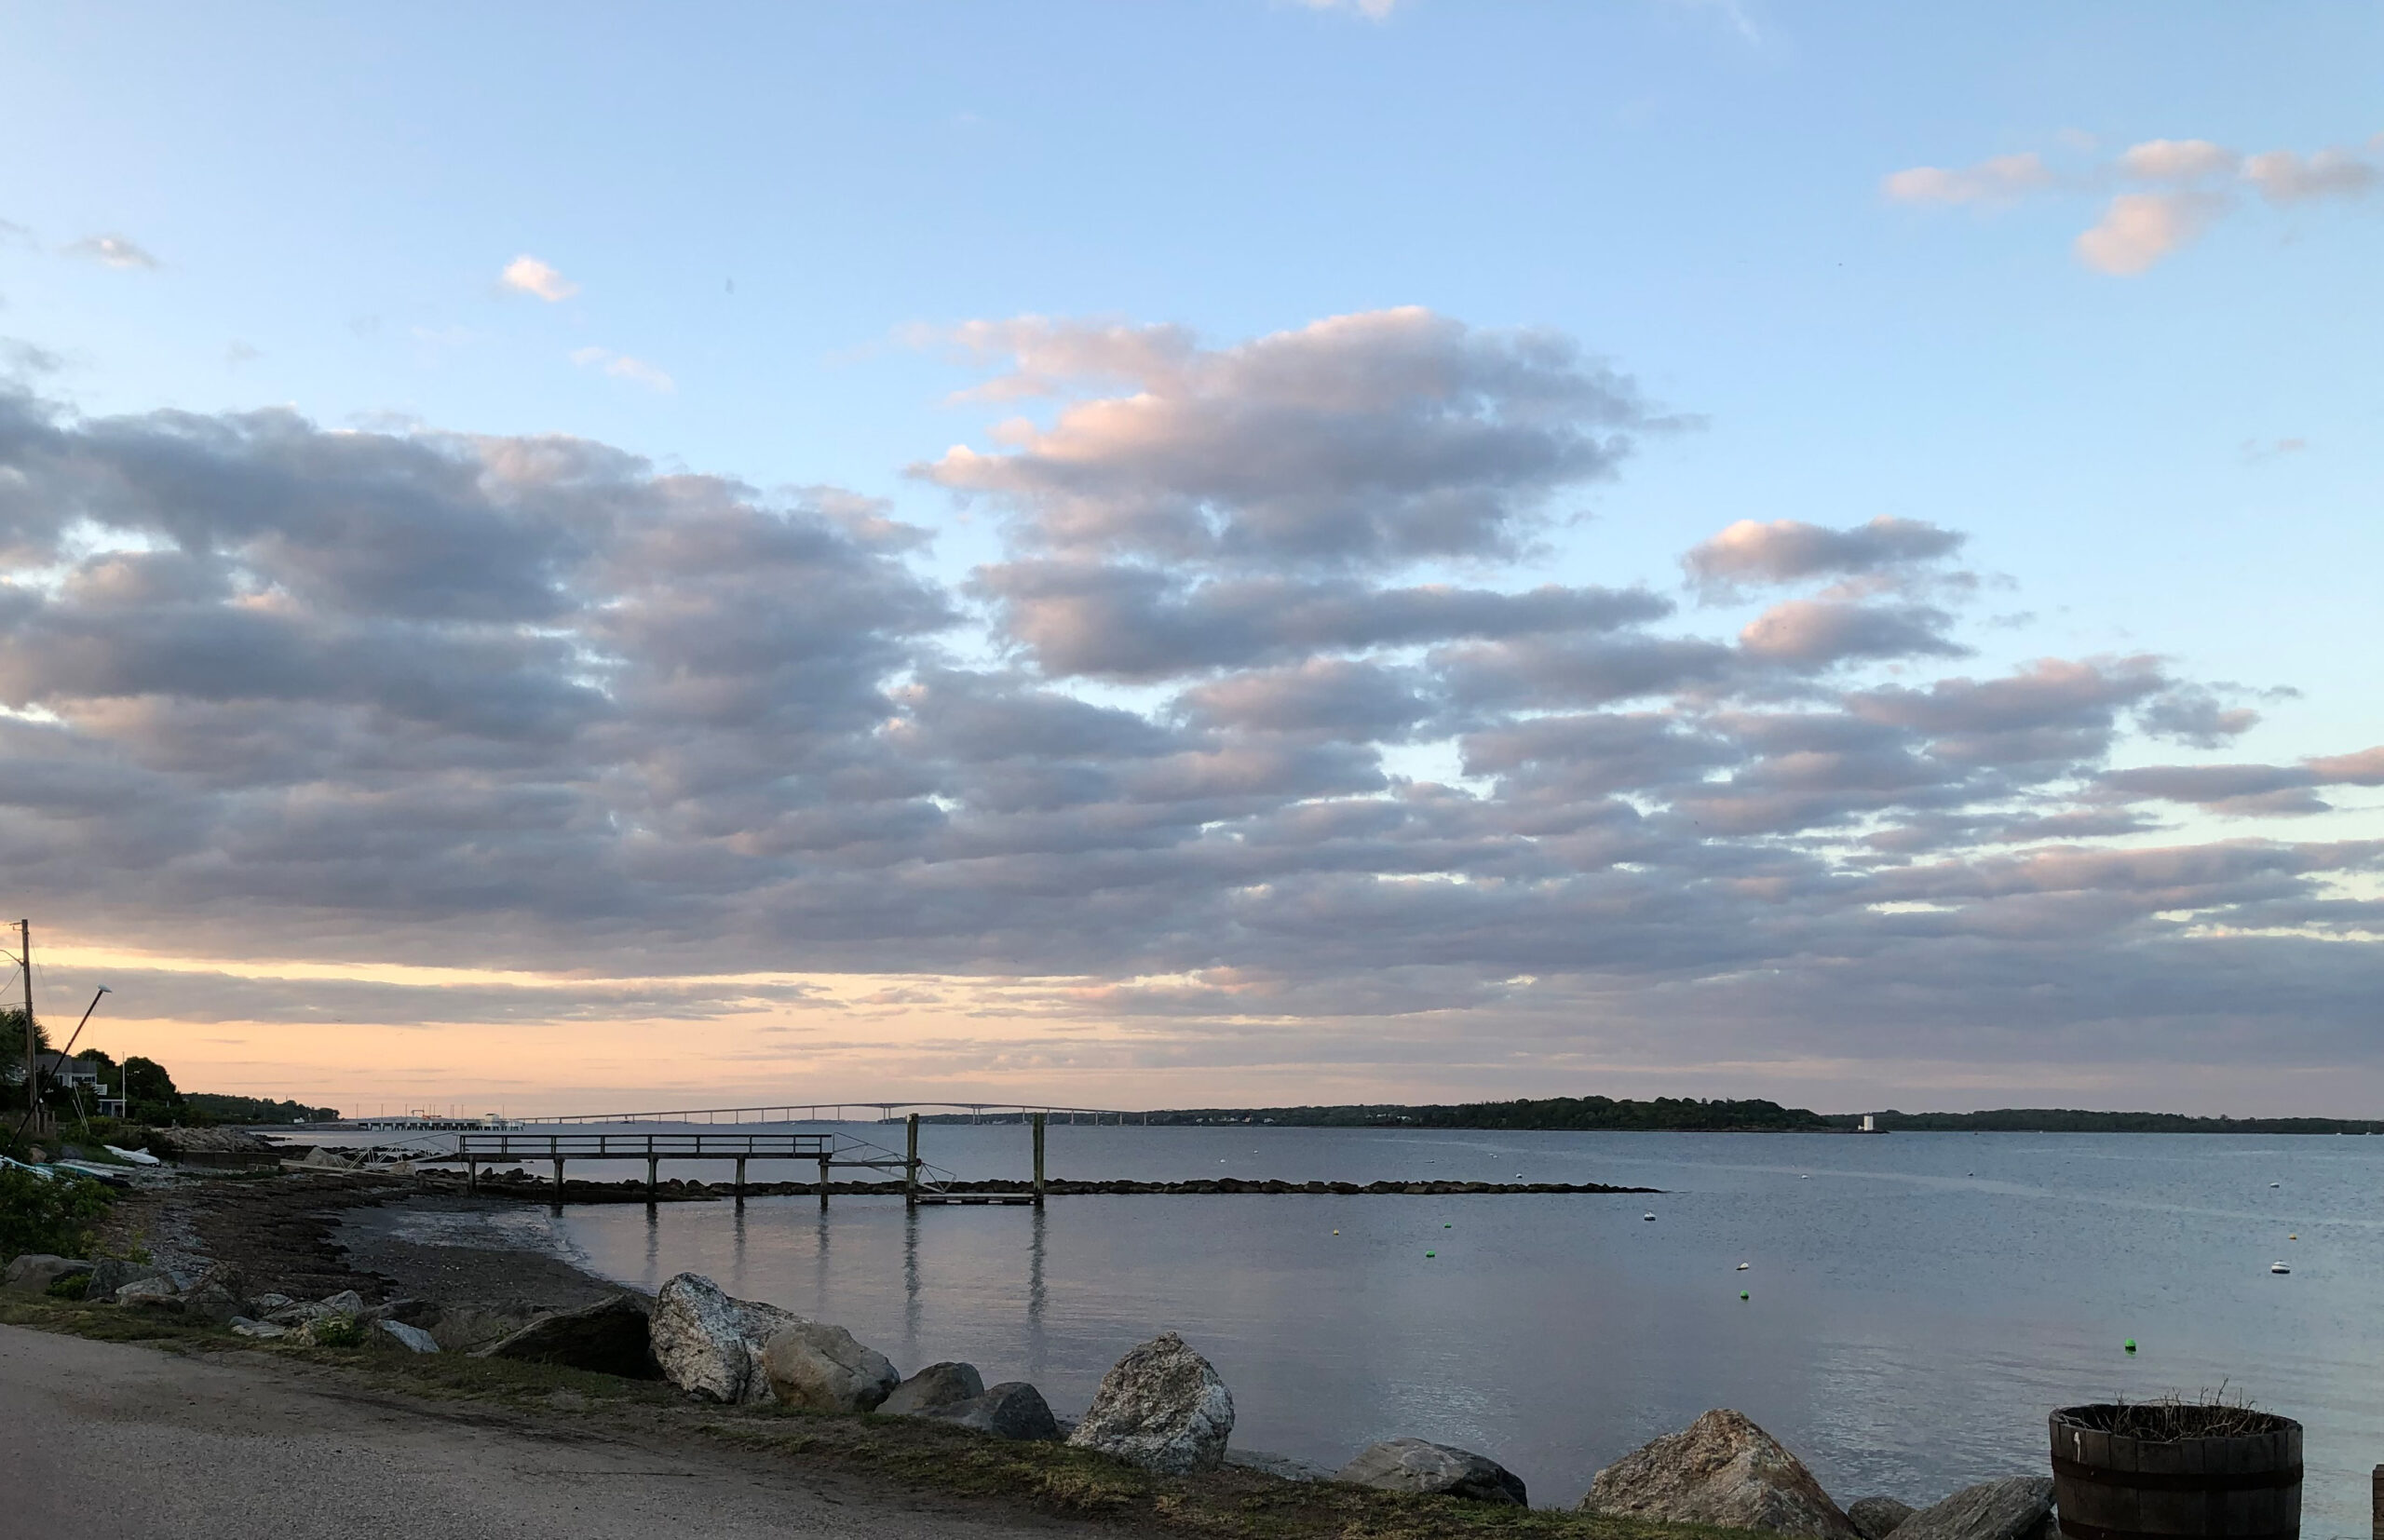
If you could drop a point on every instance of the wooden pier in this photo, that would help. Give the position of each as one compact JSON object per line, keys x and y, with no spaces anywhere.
{"x":923,"y":1185}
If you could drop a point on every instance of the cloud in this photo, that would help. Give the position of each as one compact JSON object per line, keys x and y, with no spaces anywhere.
{"x":1131,"y":622}
{"x":1361,"y":441}
{"x":115,"y":251}
{"x":2198,"y":180}
{"x":2000,"y":180}
{"x":2177,"y":160}
{"x":2284,"y":177}
{"x":393,"y":696}
{"x":1787,"y":552}
{"x":527,"y":275}
{"x":26,"y":361}
{"x":2138,"y":229}
{"x":620,"y":366}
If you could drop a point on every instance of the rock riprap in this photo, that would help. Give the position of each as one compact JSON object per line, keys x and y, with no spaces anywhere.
{"x":938,"y":1384}
{"x":1417,"y":1465}
{"x":413,"y":1339}
{"x":708,"y":1344}
{"x":1163,"y":1408}
{"x":822,"y":1368}
{"x":1014,"y":1410}
{"x":1877,"y":1518}
{"x":610,"y":1336}
{"x":2017,"y":1508}
{"x":110,"y":1273}
{"x":158,"y":1291}
{"x":1721,"y":1469}
{"x":35,"y":1271}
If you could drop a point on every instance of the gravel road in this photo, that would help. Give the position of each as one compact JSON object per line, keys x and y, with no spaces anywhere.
{"x":109,"y":1439}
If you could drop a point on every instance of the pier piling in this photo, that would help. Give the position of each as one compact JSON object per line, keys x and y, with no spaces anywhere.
{"x":1038,"y":1168}
{"x":558,"y":1179}
{"x":910,"y":1163}
{"x":823,"y":1184}
{"x":653,"y":1177}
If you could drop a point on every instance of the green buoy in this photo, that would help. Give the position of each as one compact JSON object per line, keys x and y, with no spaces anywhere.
{"x":1742,"y":1294}
{"x":2129,"y":1344}
{"x":1432,"y":1254}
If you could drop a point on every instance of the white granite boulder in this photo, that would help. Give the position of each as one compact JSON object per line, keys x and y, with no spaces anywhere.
{"x":708,"y":1344}
{"x":1417,"y":1465}
{"x":413,"y":1339}
{"x":822,"y":1368}
{"x":1721,"y":1469}
{"x":1163,"y":1408}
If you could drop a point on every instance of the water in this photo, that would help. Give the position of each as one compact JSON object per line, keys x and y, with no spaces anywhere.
{"x":1918,"y":1302}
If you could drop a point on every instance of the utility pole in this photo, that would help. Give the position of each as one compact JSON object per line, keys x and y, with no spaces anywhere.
{"x":33,"y":1065}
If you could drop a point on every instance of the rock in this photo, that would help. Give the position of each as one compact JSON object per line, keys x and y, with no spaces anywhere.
{"x":1288,"y":1467}
{"x":708,"y":1344}
{"x":266,"y":1305}
{"x":1012,"y":1410}
{"x":1415,"y":1465}
{"x":1721,"y":1469}
{"x":347,"y":1302}
{"x":1162,"y":1407}
{"x":1877,"y":1518}
{"x":211,"y":1141}
{"x":413,"y":1339}
{"x":467,"y":1327}
{"x":300,"y":1314}
{"x":110,"y":1273}
{"x":324,"y":1160}
{"x":937,"y":1385}
{"x":609,"y":1337}
{"x":214,"y":1298}
{"x":151,"y":1294}
{"x":2017,"y":1508}
{"x":35,"y":1272}
{"x":816,"y":1365}
{"x":263,"y":1330}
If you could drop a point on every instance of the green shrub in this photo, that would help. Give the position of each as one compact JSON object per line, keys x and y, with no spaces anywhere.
{"x":336,"y":1332}
{"x":53,"y":1216}
{"x":70,"y":1288}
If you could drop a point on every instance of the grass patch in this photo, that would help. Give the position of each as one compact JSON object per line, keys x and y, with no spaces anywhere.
{"x":111,"y":1323}
{"x":1233,"y":1504}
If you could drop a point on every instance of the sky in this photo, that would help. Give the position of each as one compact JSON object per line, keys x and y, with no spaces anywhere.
{"x":1251,"y":552}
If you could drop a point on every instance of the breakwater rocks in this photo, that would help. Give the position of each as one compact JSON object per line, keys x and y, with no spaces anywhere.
{"x":518,"y":1183}
{"x":1721,"y":1470}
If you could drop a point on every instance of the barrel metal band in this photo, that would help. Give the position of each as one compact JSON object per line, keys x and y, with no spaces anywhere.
{"x":2077,"y":1530}
{"x":2155,"y":1480}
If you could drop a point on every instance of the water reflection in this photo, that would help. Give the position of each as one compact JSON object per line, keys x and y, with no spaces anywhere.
{"x":1908,"y":1324}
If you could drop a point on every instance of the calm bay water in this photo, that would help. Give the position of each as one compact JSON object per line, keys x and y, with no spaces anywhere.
{"x":1917,"y":1301}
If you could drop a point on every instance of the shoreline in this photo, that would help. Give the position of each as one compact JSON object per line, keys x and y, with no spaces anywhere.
{"x":369,"y":1233}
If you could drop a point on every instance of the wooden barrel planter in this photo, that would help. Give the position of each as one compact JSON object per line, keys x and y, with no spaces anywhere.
{"x":2176,"y":1472}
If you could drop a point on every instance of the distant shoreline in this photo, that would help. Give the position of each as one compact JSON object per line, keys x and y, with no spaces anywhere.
{"x":1687,"y":1114}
